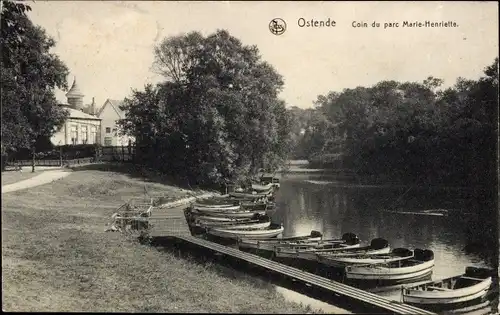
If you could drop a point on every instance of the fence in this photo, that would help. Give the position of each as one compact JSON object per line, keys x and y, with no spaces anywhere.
{"x":50,"y":162}
{"x":117,"y":153}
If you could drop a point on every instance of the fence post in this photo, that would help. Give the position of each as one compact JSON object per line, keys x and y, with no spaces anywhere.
{"x":33,"y":158}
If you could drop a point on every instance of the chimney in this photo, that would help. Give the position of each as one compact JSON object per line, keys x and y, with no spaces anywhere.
{"x":92,"y":107}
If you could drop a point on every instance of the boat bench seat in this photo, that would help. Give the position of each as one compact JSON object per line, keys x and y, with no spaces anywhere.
{"x":439,"y":288}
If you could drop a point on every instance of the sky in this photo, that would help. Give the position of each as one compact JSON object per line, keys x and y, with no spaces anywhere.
{"x":108,"y":45}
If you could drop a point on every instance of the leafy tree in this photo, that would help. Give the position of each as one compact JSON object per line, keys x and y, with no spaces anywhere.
{"x":30,"y":72}
{"x":173,"y":56}
{"x":217,"y":118}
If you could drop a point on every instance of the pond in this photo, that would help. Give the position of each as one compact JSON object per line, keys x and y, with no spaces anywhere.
{"x":465,"y":236}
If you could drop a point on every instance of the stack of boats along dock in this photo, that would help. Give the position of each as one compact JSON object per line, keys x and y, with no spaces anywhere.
{"x":243,"y":217}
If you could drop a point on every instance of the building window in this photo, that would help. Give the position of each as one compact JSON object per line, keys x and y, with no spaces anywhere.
{"x":74,"y":134}
{"x":93,"y":134}
{"x":108,"y":141}
{"x":114,"y":132}
{"x":85,"y":136}
{"x":108,"y":130}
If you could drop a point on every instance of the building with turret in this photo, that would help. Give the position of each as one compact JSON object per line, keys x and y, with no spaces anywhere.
{"x":82,"y":125}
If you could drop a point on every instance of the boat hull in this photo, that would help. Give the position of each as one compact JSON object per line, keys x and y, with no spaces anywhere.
{"x":438,"y":301}
{"x":382,"y":273}
{"x":314,"y":236}
{"x":471,"y":286}
{"x":219,"y":219}
{"x":215,"y":209}
{"x":237,"y":234}
{"x":235,"y":226}
{"x":370,"y":257}
{"x":270,"y":245}
{"x":308,"y":254}
{"x":237,"y":214}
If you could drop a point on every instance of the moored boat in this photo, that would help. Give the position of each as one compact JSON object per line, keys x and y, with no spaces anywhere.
{"x":471,"y":286}
{"x":356,"y":258}
{"x":270,"y":243}
{"x":298,"y":244}
{"x":231,"y":214}
{"x":248,"y":226}
{"x":253,"y":194}
{"x":416,"y":267}
{"x":221,"y":219}
{"x":216,"y":202}
{"x":261,"y":222}
{"x":262,"y":187}
{"x":272,"y":231}
{"x":309,"y":251}
{"x":216,"y":209}
{"x":246,"y":198}
{"x":270,"y":179}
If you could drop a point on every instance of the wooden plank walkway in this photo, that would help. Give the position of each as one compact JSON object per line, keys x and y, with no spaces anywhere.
{"x":171,"y":222}
{"x":355,"y":294}
{"x":168,"y":221}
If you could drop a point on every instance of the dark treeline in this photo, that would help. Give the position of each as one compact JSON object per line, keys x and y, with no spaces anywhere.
{"x":216,"y":118}
{"x":412,"y":132}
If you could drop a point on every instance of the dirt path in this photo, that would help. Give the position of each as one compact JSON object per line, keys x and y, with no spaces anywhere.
{"x":43,"y":178}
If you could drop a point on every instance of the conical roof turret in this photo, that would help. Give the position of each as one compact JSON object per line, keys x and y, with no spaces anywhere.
{"x":75,"y":96}
{"x":74,"y":92}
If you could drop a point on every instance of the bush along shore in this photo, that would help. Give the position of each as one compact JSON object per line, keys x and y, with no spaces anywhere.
{"x":56,"y":256}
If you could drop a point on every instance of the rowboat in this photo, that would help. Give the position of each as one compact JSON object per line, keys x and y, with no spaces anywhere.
{"x":259,"y":225}
{"x":313,"y":236}
{"x":262,"y":187}
{"x":270,"y":179}
{"x":297,"y":244}
{"x":216,"y":202}
{"x":255,"y":224}
{"x":356,"y":258}
{"x":471,"y":286}
{"x":269,"y":244}
{"x":216,"y":209}
{"x":221,"y":219}
{"x":246,"y":194}
{"x":246,"y":197}
{"x":308,"y":252}
{"x":418,"y":266}
{"x":272,"y":231}
{"x":232,"y":214}
{"x":227,"y":201}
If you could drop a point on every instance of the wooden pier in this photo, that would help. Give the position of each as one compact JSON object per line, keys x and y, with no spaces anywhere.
{"x":168,"y":222}
{"x":171,"y":223}
{"x":360,"y":296}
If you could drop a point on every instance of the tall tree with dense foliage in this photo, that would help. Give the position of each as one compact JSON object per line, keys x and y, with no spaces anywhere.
{"x":414,"y":131}
{"x":217,"y":116}
{"x":30,"y":73}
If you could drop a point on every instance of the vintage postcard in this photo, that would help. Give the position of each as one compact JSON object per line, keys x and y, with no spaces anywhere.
{"x":250,"y":157}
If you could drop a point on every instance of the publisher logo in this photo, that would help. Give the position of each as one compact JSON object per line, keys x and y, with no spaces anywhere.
{"x":277,"y":26}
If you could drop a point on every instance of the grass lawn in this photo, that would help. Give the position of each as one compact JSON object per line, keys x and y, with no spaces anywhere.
{"x":57,"y":257}
{"x":10,"y":177}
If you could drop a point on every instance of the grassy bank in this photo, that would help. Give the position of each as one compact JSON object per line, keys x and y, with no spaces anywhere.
{"x":57,"y":257}
{"x":11,"y":177}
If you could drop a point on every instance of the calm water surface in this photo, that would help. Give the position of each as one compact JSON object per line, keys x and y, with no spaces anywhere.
{"x":334,"y":207}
